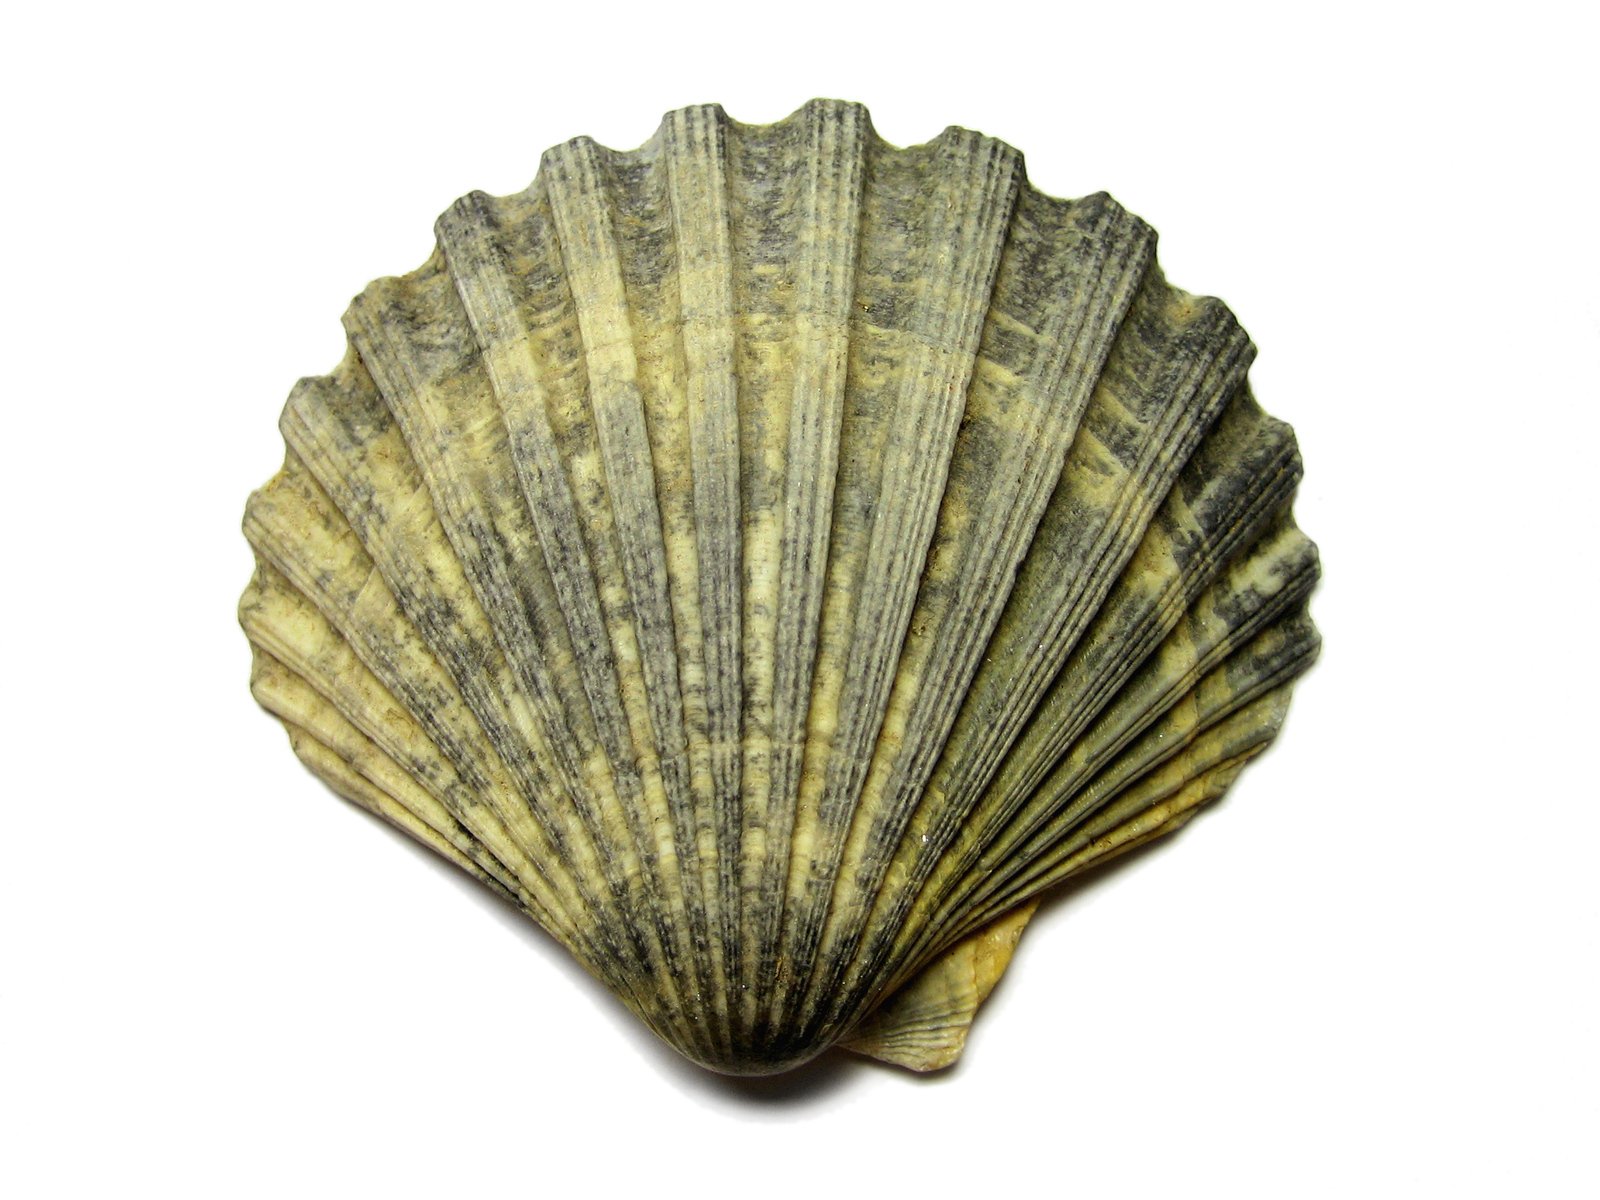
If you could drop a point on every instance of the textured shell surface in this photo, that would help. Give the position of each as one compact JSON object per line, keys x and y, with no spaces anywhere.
{"x":771,"y":559}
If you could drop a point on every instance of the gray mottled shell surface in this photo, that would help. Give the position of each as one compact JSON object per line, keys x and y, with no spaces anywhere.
{"x":771,"y":558}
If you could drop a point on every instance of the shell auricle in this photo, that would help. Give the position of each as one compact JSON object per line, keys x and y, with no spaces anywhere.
{"x":772,"y":558}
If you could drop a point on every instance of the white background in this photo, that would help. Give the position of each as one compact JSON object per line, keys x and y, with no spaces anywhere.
{"x":1370,"y":972}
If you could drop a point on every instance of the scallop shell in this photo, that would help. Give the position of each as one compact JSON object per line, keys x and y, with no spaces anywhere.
{"x":772,"y":558}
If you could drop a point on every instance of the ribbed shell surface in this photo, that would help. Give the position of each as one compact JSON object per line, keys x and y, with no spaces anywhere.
{"x":771,"y":558}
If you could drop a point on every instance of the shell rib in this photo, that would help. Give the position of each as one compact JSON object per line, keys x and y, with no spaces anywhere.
{"x":771,"y":558}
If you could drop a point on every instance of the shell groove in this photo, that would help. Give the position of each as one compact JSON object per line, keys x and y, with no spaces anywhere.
{"x":771,"y":558}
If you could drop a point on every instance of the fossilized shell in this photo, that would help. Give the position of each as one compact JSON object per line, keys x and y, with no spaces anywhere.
{"x":772,"y":558}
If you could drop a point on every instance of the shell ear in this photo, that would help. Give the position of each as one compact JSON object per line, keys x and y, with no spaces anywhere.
{"x":924,"y":1025}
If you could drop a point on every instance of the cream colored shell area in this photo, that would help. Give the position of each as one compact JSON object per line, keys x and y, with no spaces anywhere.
{"x":772,"y":559}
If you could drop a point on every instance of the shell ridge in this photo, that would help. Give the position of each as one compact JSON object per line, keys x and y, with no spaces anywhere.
{"x":1139,"y":624}
{"x":1077,"y":333}
{"x":1206,"y":767}
{"x":828,"y":230}
{"x":567,"y":488}
{"x":962,"y":223}
{"x":517,"y":845}
{"x":350,"y":784}
{"x":1209,"y":634}
{"x":480,"y":272}
{"x":650,"y":227}
{"x":1176,"y":808}
{"x":461,"y":646}
{"x":1266,"y":665}
{"x":349,"y":620}
{"x":1044,"y":593}
{"x":1205,"y":384}
{"x":1199,"y":641}
{"x":1162,"y":802}
{"x":474,"y":801}
{"x":1270,"y":497}
{"x":1097,"y":550}
{"x":583,"y":193}
{"x":440,"y":601}
{"x":761,"y":175}
{"x":698,"y":196}
{"x":697,"y":185}
{"x":1059,"y":589}
{"x":394,"y":334}
{"x":415,"y":353}
{"x":371,"y":779}
{"x":886,"y":851}
{"x":284,"y":671}
{"x":432,"y":435}
{"x":1107,"y":760}
{"x":479,"y":520}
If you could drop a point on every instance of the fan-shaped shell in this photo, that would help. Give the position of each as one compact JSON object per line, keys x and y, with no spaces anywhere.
{"x":771,"y":558}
